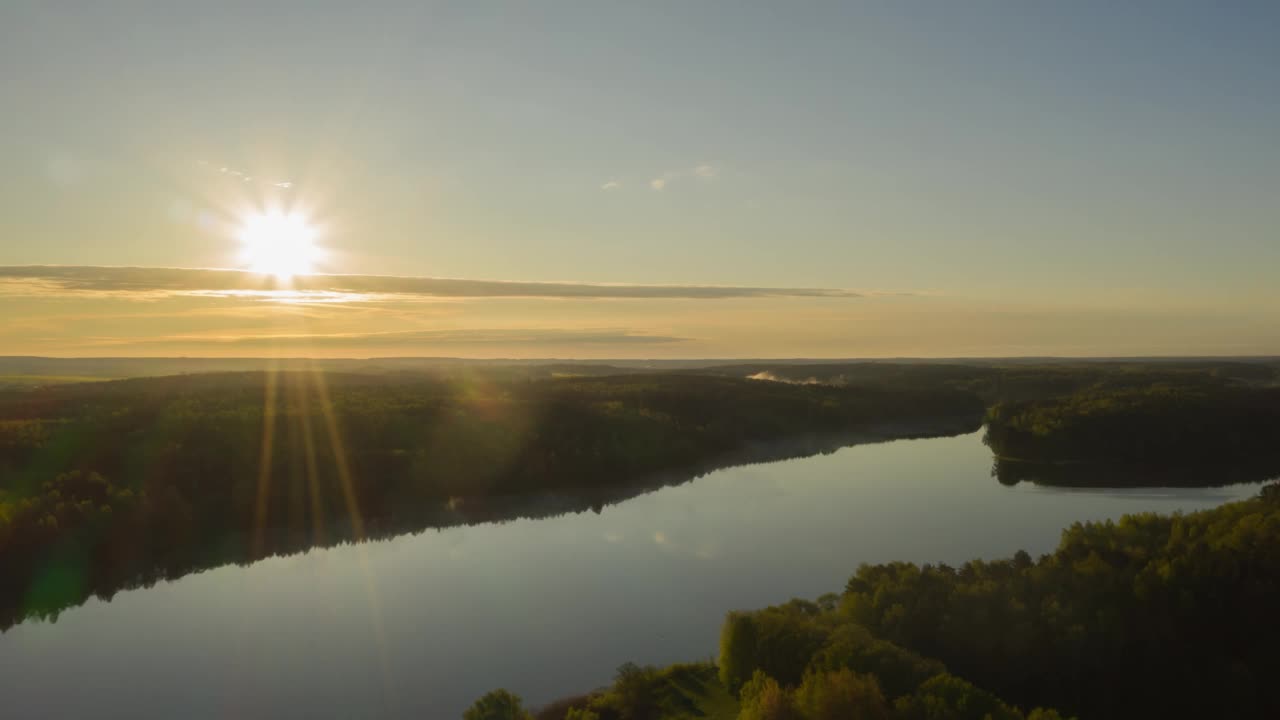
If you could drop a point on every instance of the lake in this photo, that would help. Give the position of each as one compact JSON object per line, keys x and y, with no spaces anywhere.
{"x":421,"y":625}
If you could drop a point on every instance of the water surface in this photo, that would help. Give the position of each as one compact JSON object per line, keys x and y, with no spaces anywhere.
{"x":422,"y":624}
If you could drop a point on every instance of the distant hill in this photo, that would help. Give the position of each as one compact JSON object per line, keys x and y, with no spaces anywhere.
{"x":32,"y":370}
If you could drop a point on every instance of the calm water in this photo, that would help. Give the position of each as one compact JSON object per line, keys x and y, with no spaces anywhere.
{"x":421,"y":625}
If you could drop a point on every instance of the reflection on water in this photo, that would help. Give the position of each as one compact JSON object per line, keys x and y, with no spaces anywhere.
{"x":421,"y":624}
{"x":46,"y":579}
{"x":1103,"y":475}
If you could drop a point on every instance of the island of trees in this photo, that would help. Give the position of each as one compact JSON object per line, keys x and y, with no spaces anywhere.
{"x":1150,"y":616}
{"x":1161,"y":434}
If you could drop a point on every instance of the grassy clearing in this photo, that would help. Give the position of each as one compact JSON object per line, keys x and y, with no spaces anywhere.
{"x":695,"y":691}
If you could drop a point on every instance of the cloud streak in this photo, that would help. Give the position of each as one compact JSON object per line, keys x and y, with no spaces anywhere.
{"x":701,"y":171}
{"x":414,"y":338}
{"x":144,"y":283}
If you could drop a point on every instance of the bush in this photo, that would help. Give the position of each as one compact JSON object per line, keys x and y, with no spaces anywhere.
{"x":762,"y":698}
{"x":840,"y":695}
{"x":779,"y":641}
{"x":947,"y":697}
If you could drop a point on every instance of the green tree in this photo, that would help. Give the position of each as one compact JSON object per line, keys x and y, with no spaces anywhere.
{"x":947,"y":697}
{"x":841,"y":695}
{"x":633,"y":688}
{"x":762,"y":698}
{"x":738,"y":638}
{"x":899,"y":671}
{"x":498,"y":704}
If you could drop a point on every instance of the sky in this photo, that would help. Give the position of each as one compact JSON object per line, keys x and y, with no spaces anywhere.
{"x":653,"y":179}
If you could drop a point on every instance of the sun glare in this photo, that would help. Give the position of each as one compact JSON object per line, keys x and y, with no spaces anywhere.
{"x":280,"y":244}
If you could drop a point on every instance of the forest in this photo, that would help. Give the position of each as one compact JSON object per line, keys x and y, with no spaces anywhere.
{"x":1097,"y":423}
{"x":1148,"y":616}
{"x":115,"y":484}
{"x":997,"y":381}
{"x":111,"y":485}
{"x":1160,"y":425}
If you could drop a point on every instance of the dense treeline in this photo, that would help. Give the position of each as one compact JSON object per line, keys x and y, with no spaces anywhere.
{"x":808,"y":661}
{"x":205,"y":435}
{"x":839,"y":692}
{"x":1098,"y":424}
{"x":1150,"y":616}
{"x":115,"y":484}
{"x":1156,"y":425}
{"x":799,"y":661}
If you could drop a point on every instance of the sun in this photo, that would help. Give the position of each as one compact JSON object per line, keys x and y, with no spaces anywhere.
{"x":280,"y":244}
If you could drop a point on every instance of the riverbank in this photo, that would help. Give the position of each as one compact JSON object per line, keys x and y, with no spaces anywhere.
{"x":1084,"y":628}
{"x":126,"y":482}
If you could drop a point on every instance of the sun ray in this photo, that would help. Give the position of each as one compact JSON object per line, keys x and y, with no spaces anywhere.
{"x":339,"y":452}
{"x":357,"y":522}
{"x":312,"y":466}
{"x":269,"y":412}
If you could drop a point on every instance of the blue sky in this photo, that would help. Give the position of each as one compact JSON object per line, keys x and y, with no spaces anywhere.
{"x":1111,"y":169}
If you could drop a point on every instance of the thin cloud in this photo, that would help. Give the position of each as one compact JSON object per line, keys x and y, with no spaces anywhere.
{"x":235,"y":174}
{"x":612,"y":185}
{"x":156,"y":283}
{"x":701,"y":171}
{"x":484,"y":337}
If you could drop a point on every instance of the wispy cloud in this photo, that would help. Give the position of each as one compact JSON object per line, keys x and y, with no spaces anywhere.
{"x":234,"y":174}
{"x":701,"y":171}
{"x":146,"y":283}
